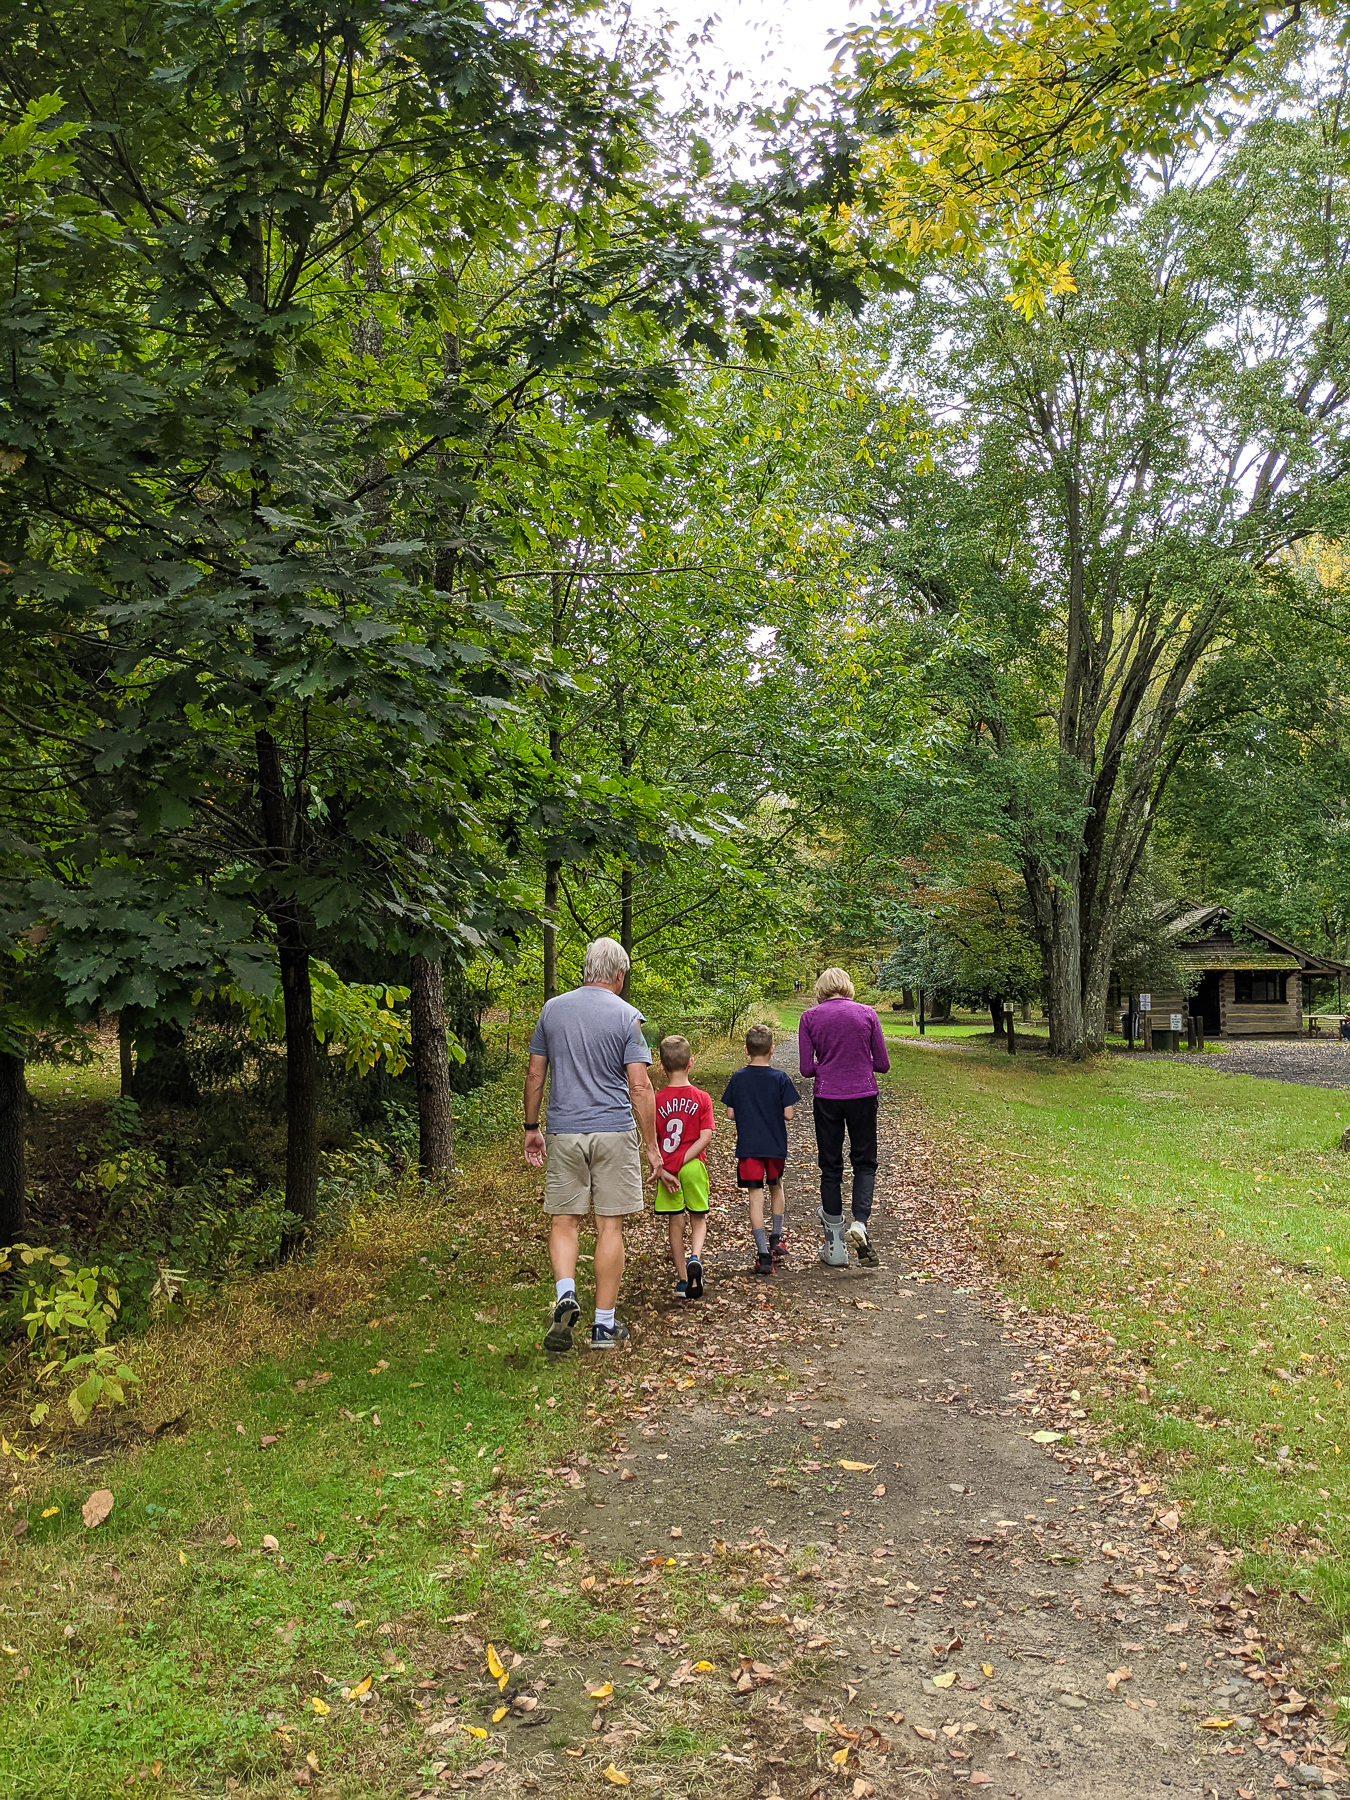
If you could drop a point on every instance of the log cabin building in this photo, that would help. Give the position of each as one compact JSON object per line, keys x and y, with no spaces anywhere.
{"x":1245,"y":982}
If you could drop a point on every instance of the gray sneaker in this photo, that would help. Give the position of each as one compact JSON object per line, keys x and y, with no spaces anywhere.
{"x":566,"y":1315}
{"x":608,"y":1337}
{"x":858,"y":1238}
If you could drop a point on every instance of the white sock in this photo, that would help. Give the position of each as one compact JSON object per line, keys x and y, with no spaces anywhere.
{"x":604,"y":1315}
{"x":565,"y":1284}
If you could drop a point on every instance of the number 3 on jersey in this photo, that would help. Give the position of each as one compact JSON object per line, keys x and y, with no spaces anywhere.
{"x":674,"y":1134}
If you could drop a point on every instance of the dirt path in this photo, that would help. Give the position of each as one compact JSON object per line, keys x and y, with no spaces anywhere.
{"x":956,"y":1608}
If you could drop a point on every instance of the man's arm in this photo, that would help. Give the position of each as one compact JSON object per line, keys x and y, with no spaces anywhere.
{"x":644,"y":1111}
{"x":534,"y":1099}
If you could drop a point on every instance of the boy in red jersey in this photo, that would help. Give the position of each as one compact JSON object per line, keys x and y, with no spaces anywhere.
{"x":684,"y":1128}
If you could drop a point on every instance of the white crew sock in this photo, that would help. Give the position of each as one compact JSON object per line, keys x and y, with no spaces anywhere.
{"x":565,"y":1284}
{"x":604,"y":1315}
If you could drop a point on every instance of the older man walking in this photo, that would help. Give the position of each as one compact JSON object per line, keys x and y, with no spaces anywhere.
{"x":601,"y":1112}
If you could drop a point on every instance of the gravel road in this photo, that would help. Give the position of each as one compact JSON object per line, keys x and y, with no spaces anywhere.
{"x":1314,"y":1062}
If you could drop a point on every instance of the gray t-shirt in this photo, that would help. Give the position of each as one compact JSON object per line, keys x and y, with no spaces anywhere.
{"x":589,"y":1036}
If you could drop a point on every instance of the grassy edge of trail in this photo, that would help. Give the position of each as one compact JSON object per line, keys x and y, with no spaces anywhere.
{"x":325,"y":1466}
{"x":1202,"y":1221}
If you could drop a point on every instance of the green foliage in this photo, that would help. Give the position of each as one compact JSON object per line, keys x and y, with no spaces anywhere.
{"x":360,"y":1019}
{"x":68,"y":1313}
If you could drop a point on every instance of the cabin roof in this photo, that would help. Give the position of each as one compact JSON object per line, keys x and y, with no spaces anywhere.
{"x":1216,"y":949}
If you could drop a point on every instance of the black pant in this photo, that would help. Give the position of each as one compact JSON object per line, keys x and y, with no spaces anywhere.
{"x":859,"y":1118}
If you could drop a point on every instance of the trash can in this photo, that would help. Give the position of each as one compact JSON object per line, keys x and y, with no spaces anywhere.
{"x":1165,"y":1040}
{"x":1345,"y":1028}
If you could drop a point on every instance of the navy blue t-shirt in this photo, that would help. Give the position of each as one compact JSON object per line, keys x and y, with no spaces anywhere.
{"x":757,"y":1096}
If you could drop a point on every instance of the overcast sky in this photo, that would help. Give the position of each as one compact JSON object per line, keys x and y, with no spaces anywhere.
{"x":772,"y":43}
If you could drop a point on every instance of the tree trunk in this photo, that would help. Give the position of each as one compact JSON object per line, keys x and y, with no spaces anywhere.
{"x":431,"y":1070}
{"x":302,"y":1086}
{"x":626,"y":923}
{"x":126,"y":1064}
{"x":996,"y":1014}
{"x":13,"y":1156}
{"x":552,"y":870}
{"x":1060,"y":931}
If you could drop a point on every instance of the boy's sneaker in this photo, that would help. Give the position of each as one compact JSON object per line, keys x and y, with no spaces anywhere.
{"x":566,"y":1315}
{"x":776,"y":1249}
{"x":681,"y":1290}
{"x":695,"y":1272}
{"x":608,"y":1337}
{"x":763,"y":1263}
{"x":858,"y":1238}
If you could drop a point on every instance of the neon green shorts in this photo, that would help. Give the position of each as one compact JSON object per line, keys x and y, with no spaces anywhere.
{"x":693,"y":1194}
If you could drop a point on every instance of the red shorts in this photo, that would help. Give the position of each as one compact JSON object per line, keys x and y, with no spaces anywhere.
{"x":759,"y":1171}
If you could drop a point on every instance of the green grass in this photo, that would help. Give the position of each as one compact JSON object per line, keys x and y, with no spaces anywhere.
{"x":1203,"y":1220}
{"x":398,"y":1492}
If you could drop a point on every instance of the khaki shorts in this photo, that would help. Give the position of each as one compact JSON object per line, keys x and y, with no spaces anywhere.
{"x":593,"y":1168}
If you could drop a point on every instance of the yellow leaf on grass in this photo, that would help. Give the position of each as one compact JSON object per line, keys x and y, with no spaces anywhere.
{"x":1215,"y":1724}
{"x":500,"y":1714}
{"x":362,"y":1686}
{"x":599,"y":1690}
{"x":703,"y":1667}
{"x":858,"y":1468}
{"x":475,"y":1731}
{"x":51,"y":1512}
{"x":987,"y":1669}
{"x":182,"y":1560}
{"x":944,"y":1681}
{"x":313,"y":1761}
{"x":495,"y":1669}
{"x":617,"y":1776}
{"x":320,"y":1706}
{"x":841,"y":1756}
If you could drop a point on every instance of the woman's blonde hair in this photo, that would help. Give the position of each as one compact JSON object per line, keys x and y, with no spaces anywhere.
{"x":830,"y":982}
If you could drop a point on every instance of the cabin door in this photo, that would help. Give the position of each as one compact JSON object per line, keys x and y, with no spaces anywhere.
{"x":1206,"y":1002}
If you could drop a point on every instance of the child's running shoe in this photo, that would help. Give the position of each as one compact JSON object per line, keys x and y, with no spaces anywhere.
{"x":694,"y":1267}
{"x":681,"y":1290}
{"x":777,"y":1250}
{"x":566,"y":1315}
{"x":858,"y":1238}
{"x":608,"y":1337}
{"x":763,"y":1263}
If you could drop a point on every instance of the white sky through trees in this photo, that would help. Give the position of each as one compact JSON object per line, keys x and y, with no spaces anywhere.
{"x":770,"y":44}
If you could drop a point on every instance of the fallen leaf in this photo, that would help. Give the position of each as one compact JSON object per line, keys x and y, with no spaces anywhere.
{"x":704,"y":1667}
{"x":599,"y":1690}
{"x":987,"y":1670}
{"x":867,"y":1306}
{"x":857,"y":1467}
{"x":1170,"y":1520}
{"x":97,"y":1507}
{"x":978,"y":1778}
{"x":879,"y":1493}
{"x":841,"y":1756}
{"x":945,"y":1680}
{"x":495,"y":1669}
{"x":675,"y":1532}
{"x":1215,"y":1724}
{"x":814,"y":1722}
{"x":500,"y":1714}
{"x":312,"y":1759}
{"x":51,"y":1512}
{"x":861,"y":1789}
{"x":835,"y":1424}
{"x":475,"y":1731}
{"x":267,"y":1442}
{"x":1117,"y":1676}
{"x":1046,"y":1437}
{"x":928,"y":1736}
{"x":362,"y":1687}
{"x":321,"y":1707}
{"x":617,"y":1776}
{"x":269,"y":1543}
{"x":229,"y":1542}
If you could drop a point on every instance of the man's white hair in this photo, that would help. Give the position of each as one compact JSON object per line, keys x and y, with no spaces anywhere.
{"x":606,"y":960}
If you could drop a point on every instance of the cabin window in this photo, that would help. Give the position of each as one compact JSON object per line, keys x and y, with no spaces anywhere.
{"x":1259,"y":987}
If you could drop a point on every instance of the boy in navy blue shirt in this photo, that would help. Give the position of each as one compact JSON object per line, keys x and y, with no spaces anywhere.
{"x":761,"y":1099}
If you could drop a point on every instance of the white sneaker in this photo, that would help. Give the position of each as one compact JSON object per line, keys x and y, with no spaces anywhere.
{"x":859,"y":1240}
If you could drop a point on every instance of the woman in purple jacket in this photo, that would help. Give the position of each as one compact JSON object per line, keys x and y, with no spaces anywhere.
{"x":840,"y":1043}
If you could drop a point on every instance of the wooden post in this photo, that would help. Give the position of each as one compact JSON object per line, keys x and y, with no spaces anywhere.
{"x":920,"y":1012}
{"x":1190,"y":1031}
{"x":1147,"y":1028}
{"x":1129,"y":1021}
{"x":1008,"y":1024}
{"x":1200,"y":1031}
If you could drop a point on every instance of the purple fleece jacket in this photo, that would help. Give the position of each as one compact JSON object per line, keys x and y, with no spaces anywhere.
{"x":840,"y":1043}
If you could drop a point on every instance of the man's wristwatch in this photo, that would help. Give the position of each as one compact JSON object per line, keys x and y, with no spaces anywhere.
{"x":533,"y":1127}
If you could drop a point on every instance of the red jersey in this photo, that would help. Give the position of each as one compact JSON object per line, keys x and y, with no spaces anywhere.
{"x":681,"y":1114}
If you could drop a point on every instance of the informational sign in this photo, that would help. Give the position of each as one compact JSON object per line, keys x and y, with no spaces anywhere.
{"x":1146,"y":1003}
{"x":1176,"y":1021}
